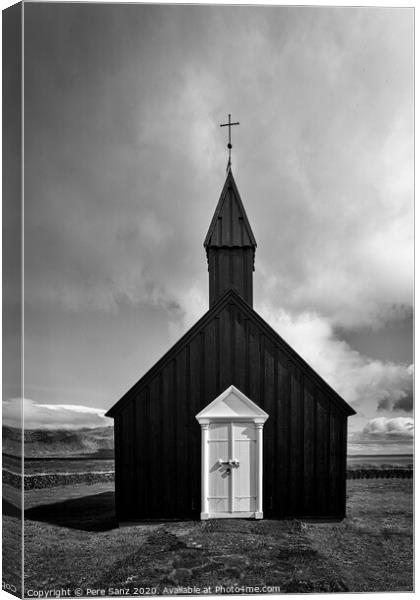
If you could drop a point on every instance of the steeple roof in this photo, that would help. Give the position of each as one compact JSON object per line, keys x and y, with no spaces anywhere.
{"x":230,"y":226}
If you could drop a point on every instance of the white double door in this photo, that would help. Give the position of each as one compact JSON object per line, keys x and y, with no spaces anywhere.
{"x":232,"y":469}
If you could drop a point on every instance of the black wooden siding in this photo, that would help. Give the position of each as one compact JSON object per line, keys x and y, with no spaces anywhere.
{"x":230,"y":268}
{"x":158,"y":440}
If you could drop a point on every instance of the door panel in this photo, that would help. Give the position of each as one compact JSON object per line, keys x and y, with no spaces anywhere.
{"x":245,"y":475}
{"x":219,"y":485}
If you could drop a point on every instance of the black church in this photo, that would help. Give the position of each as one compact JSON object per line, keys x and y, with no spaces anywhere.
{"x":231,"y":422}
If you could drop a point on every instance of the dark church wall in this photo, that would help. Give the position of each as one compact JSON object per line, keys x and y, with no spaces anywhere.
{"x":158,"y":448}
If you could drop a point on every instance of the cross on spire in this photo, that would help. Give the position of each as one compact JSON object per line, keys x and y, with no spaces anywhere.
{"x":229,"y":124}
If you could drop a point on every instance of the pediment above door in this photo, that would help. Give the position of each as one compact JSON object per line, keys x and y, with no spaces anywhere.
{"x":232,"y":404}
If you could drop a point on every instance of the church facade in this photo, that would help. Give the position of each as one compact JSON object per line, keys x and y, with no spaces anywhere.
{"x":231,"y":422}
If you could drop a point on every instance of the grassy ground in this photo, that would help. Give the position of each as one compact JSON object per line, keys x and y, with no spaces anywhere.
{"x":12,"y":538}
{"x":71,"y":541}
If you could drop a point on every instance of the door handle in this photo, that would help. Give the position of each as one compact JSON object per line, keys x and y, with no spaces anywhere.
{"x":232,"y":462}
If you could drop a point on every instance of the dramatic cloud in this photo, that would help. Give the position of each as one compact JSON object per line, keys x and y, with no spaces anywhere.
{"x":362,"y":381}
{"x":52,"y":416}
{"x":123,"y":212}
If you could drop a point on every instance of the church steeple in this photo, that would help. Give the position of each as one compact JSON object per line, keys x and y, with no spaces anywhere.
{"x":230,"y":246}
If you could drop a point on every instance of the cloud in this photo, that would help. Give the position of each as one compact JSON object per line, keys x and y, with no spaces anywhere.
{"x":384,"y":404}
{"x":362,"y":381}
{"x":397,"y":426}
{"x":123,"y":212}
{"x":343,"y":195}
{"x":52,"y":416}
{"x":383,"y":435}
{"x":404,"y":403}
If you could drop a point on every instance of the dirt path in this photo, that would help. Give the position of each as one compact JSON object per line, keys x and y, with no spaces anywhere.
{"x":226,"y":554}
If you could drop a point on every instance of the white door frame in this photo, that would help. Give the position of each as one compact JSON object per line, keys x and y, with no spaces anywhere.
{"x":231,"y":406}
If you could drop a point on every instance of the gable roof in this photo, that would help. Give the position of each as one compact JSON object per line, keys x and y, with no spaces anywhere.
{"x":231,"y":297}
{"x":230,"y":226}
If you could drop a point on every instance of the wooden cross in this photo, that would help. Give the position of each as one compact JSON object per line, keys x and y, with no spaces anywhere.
{"x":230,"y":125}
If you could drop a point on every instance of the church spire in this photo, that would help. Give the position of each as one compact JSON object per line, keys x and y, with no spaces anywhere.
{"x":230,"y":246}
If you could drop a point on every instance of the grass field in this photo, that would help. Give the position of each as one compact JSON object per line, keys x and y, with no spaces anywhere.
{"x":71,"y":542}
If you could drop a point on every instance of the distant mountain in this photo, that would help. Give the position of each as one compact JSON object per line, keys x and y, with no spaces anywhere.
{"x":98,"y":441}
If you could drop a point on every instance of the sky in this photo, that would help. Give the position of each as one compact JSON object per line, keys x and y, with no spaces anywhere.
{"x":124,"y":165}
